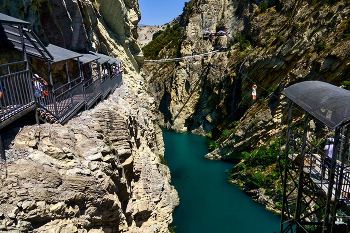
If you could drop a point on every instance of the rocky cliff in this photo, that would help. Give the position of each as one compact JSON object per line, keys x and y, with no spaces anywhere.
{"x":104,"y":26}
{"x":271,"y":43}
{"x":102,"y":171}
{"x":146,"y":33}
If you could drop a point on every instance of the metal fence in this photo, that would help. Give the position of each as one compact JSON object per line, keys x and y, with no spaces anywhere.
{"x":16,"y":94}
{"x":22,"y":90}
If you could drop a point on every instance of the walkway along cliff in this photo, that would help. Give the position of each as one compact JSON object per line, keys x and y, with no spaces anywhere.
{"x":101,"y":171}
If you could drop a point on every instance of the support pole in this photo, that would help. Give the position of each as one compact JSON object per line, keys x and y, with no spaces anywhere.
{"x":341,"y":178}
{"x":284,"y":180}
{"x":331,"y":180}
{"x":301,"y":174}
{"x":36,"y":114}
{"x":70,"y":84}
{"x":53,"y":90}
{"x":2,"y":149}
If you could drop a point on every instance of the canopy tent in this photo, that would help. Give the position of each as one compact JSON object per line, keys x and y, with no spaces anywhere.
{"x":6,"y":19}
{"x":326,"y":102}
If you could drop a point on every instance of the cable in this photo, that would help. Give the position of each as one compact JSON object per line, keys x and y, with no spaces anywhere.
{"x":183,"y":58}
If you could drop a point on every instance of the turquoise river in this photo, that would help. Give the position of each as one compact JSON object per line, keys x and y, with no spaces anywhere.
{"x":208,"y":202}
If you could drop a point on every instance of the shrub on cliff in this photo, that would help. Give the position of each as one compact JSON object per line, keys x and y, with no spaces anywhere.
{"x":263,"y":156}
{"x":170,"y":38}
{"x":243,"y":42}
{"x":212,"y":145}
{"x":225,"y":134}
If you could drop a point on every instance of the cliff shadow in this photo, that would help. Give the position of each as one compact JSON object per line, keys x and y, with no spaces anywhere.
{"x":195,"y":87}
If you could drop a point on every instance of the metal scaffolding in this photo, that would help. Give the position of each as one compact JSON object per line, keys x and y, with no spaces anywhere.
{"x":316,"y":189}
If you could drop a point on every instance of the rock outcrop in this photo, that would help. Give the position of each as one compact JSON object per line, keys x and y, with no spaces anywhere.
{"x":146,"y":33}
{"x":100,"y":172}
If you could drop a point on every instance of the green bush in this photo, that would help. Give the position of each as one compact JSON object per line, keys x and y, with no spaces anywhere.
{"x":268,"y":192}
{"x":272,"y":89}
{"x":212,"y":145}
{"x":162,"y":160}
{"x":346,"y":85}
{"x":264,"y":156}
{"x":263,"y":7}
{"x":209,"y":135}
{"x":225,"y":134}
{"x":346,"y":32}
{"x":296,"y":27}
{"x":171,"y":38}
{"x":156,"y":34}
{"x":243,"y":42}
{"x":321,"y":46}
{"x":172,"y":229}
{"x":256,"y":180}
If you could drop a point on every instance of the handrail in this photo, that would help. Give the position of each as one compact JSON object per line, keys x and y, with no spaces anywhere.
{"x":12,"y":63}
{"x":18,"y":72}
{"x":21,"y":94}
{"x":37,"y":71}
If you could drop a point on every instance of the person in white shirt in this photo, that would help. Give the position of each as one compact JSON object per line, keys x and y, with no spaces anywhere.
{"x":105,"y":72}
{"x":254,"y":91}
{"x":328,"y":152}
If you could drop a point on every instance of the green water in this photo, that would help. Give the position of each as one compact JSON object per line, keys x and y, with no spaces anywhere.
{"x":208,"y":202}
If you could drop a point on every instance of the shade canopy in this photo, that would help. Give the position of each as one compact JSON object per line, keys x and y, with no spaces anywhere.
{"x":328,"y":103}
{"x":5,"y":19}
{"x":114,"y":61}
{"x":88,"y":57}
{"x":10,"y":38}
{"x":61,"y":54}
{"x":103,"y":58}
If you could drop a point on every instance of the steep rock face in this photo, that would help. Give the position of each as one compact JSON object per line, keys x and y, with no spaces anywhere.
{"x":100,"y":172}
{"x":108,"y":27}
{"x":281,"y":43}
{"x":146,"y":33}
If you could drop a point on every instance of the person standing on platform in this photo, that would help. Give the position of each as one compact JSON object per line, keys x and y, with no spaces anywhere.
{"x":328,"y":153}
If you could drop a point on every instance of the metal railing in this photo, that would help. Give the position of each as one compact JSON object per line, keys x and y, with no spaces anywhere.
{"x":318,"y":168}
{"x":16,"y":95}
{"x":20,"y":91}
{"x":92,"y":89}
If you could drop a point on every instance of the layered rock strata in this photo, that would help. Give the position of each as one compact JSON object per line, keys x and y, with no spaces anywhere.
{"x":100,"y":172}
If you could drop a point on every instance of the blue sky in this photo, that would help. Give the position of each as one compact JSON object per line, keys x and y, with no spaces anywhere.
{"x":159,"y":12}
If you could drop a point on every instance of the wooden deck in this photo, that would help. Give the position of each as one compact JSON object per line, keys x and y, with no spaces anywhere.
{"x":313,"y":168}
